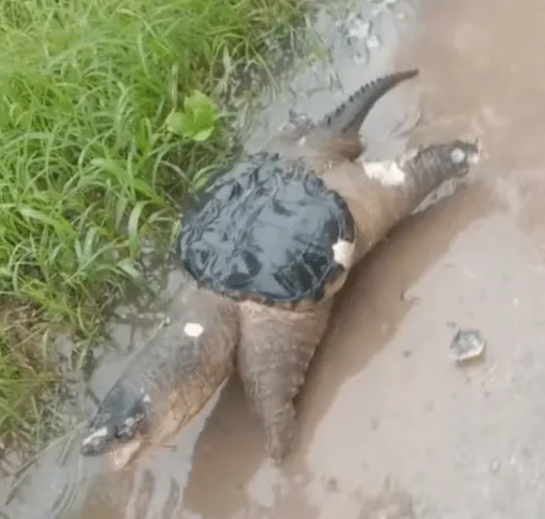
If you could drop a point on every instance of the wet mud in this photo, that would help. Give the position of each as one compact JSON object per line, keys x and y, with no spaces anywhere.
{"x":391,"y":427}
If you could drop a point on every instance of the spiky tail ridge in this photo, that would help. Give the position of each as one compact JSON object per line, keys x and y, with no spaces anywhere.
{"x":348,"y":117}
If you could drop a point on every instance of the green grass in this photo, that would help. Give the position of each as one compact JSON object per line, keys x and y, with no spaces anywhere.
{"x":88,"y":167}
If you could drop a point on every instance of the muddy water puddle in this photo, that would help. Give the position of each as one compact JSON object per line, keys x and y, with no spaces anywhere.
{"x":390,"y":426}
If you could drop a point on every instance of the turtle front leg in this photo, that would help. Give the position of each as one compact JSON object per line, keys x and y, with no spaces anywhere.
{"x":274,"y":354}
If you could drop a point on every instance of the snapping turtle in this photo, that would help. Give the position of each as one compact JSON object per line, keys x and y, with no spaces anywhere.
{"x":266,"y":247}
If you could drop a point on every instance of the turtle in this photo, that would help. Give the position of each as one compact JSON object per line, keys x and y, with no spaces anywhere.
{"x":266,"y":248}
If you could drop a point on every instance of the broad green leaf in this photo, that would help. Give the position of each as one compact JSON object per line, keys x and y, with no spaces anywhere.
{"x":175,"y":123}
{"x":198,"y":100}
{"x":202,"y":135}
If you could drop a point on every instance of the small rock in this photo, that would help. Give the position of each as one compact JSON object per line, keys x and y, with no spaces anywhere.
{"x":467,"y":345}
{"x":360,"y":30}
{"x":372,"y":42}
{"x":299,"y":119}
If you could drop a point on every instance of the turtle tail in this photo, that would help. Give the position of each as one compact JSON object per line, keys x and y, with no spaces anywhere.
{"x":345,"y":121}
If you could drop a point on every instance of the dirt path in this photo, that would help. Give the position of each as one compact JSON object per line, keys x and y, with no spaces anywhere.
{"x":391,"y":428}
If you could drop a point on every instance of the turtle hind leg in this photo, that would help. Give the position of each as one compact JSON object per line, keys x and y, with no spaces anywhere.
{"x":274,"y":354}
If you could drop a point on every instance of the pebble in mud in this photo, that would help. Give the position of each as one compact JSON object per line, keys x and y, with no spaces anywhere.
{"x":298,"y":118}
{"x":298,"y":123}
{"x":467,"y":345}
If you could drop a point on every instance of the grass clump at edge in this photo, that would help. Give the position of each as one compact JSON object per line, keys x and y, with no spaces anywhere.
{"x":87,"y":167}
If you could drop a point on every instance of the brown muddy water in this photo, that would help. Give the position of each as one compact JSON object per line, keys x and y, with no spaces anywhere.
{"x":390,"y":426}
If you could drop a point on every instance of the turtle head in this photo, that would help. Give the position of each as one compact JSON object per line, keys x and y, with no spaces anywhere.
{"x":120,"y":426}
{"x":464,"y":154}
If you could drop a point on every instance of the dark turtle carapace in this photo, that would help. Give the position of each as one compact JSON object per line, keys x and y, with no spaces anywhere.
{"x":266,"y":247}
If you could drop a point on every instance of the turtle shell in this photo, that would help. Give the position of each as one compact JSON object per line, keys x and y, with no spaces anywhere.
{"x":265,"y":231}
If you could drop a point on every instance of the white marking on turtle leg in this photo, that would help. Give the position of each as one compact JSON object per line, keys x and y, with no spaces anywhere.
{"x":457,"y":155}
{"x":145,"y":397}
{"x":100,"y":433}
{"x":193,"y":329}
{"x":386,"y":172}
{"x":343,"y":253}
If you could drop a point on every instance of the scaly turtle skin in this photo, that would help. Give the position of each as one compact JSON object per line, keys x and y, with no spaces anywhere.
{"x":267,"y":246}
{"x":170,"y":379}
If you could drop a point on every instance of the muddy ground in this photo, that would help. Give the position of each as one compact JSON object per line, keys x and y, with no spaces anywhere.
{"x":391,"y":427}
